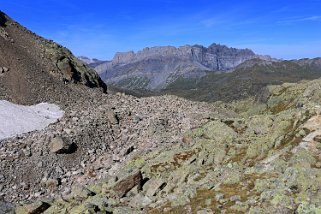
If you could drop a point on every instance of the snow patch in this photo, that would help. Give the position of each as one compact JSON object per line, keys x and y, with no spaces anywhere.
{"x":18,"y":119}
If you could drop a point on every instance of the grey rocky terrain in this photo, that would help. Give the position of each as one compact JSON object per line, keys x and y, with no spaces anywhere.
{"x":115,"y":153}
{"x":106,"y":131}
{"x":156,"y":67}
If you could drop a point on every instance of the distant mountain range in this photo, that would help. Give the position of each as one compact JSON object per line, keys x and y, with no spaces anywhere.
{"x":157,"y":67}
{"x":198,"y":73}
{"x":91,"y":62}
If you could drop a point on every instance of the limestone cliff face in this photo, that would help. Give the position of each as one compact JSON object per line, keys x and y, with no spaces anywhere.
{"x":154,"y":68}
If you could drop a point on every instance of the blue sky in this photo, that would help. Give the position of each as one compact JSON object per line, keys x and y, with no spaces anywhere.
{"x":284,"y":29}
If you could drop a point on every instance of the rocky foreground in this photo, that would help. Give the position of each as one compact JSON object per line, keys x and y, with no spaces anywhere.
{"x":169,"y":155}
{"x":93,"y":141}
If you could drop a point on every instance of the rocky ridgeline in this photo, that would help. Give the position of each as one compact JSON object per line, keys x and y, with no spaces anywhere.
{"x":159,"y":66}
{"x":264,"y":158}
{"x":40,"y":70}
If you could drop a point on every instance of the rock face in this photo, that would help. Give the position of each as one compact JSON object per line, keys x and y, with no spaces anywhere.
{"x":126,"y":184}
{"x":156,"y":67}
{"x":40,"y":70}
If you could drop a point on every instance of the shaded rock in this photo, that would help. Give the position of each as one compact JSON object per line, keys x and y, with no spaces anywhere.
{"x":5,"y":69}
{"x":59,"y":145}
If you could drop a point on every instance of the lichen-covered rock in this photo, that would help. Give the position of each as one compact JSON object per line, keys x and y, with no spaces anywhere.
{"x":34,"y":208}
{"x":127,"y":183}
{"x":153,"y":186}
{"x":217,"y":131}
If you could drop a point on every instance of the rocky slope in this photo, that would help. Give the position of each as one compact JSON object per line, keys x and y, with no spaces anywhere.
{"x":92,"y":141}
{"x":156,"y":67}
{"x":33,"y":69}
{"x":248,"y":157}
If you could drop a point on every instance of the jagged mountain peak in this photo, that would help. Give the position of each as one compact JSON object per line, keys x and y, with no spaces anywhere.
{"x":156,"y":67}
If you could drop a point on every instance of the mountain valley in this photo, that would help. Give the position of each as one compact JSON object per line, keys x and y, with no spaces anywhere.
{"x":246,"y":140}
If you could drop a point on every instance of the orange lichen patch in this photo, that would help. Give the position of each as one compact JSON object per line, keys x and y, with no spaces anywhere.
{"x":281,"y":106}
{"x":318,"y":159}
{"x":200,"y":177}
{"x":181,"y":157}
{"x":178,"y":160}
{"x":287,"y":156}
{"x":160,"y":167}
{"x":246,"y":190}
{"x":200,"y":200}
{"x":239,"y":156}
{"x":251,"y":178}
{"x":204,"y":199}
{"x":234,"y":189}
{"x":239,"y":130}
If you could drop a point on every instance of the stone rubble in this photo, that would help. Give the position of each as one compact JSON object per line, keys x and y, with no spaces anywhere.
{"x":263,"y":159}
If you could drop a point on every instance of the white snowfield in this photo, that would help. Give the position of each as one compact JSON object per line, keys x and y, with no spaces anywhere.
{"x":18,"y":119}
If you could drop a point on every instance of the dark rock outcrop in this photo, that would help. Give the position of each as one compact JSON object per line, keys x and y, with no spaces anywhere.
{"x":40,"y":70}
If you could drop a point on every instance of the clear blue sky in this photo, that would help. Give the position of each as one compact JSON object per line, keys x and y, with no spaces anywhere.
{"x":284,"y":29}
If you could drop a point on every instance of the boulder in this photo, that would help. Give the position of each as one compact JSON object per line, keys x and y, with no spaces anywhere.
{"x":153,"y":186}
{"x":59,"y":145}
{"x":112,"y":117}
{"x":5,"y":69}
{"x":126,"y":184}
{"x":81,"y":193}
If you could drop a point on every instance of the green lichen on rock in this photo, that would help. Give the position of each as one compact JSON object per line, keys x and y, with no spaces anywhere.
{"x":261,"y":162}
